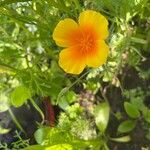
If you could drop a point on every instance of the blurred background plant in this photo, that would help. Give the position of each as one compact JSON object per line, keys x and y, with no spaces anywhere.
{"x":117,"y":92}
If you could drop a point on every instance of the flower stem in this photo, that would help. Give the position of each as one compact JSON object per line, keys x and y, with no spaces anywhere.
{"x":15,"y":120}
{"x":38,"y":109}
{"x":66,"y":89}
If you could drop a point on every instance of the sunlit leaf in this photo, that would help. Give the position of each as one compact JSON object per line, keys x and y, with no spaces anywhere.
{"x":101,"y":113}
{"x":20,"y":95}
{"x":35,"y":147}
{"x":54,"y":147}
{"x":3,"y":130}
{"x":41,"y":134}
{"x":60,"y":147}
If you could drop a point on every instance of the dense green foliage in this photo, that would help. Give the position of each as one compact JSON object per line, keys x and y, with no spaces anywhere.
{"x":29,"y":70}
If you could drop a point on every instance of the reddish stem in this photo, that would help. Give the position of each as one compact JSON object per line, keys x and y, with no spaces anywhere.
{"x":49,"y":112}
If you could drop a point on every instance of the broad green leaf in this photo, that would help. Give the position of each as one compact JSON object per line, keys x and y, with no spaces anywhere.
{"x":54,"y":147}
{"x":55,"y":136}
{"x":51,"y":136}
{"x":60,"y":147}
{"x":131,"y":110}
{"x":101,"y":113}
{"x":35,"y":147}
{"x":122,"y":139}
{"x":146,"y":114}
{"x":20,"y":95}
{"x":126,"y":126}
{"x":41,"y":134}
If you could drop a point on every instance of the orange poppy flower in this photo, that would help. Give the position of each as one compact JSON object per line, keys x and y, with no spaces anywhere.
{"x":83,"y":42}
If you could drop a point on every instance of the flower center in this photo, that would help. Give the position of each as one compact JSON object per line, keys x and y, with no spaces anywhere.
{"x":86,"y":43}
{"x":85,"y":40}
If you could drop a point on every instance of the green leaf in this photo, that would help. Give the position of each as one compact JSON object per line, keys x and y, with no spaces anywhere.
{"x":54,"y":147}
{"x":35,"y":147}
{"x":146,"y":114}
{"x":122,"y":139}
{"x":41,"y":134}
{"x":101,"y":113}
{"x":126,"y":126}
{"x":3,"y":130}
{"x":60,"y":147}
{"x":131,"y":110}
{"x":51,"y":136}
{"x":57,"y":136}
{"x":138,"y":103}
{"x":19,"y":96}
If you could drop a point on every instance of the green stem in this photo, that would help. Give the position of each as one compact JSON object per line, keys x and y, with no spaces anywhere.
{"x":79,"y":79}
{"x":38,"y":109}
{"x":16,"y":121}
{"x":63,"y":91}
{"x":138,"y":40}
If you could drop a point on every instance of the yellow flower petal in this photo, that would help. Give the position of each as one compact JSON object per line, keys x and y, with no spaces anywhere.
{"x":95,"y":20}
{"x":63,"y":31}
{"x":99,"y":57}
{"x":71,"y":62}
{"x":84,"y":43}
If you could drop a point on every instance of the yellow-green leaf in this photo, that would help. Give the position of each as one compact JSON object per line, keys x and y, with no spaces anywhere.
{"x":126,"y":126}
{"x":131,"y":110}
{"x":101,"y":113}
{"x":3,"y":130}
{"x":122,"y":139}
{"x":53,"y":147}
{"x":20,"y":95}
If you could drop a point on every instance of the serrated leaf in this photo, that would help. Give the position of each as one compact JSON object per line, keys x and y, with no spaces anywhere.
{"x":146,"y":114}
{"x":101,"y":113}
{"x":131,"y":110}
{"x":126,"y":126}
{"x":20,"y":95}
